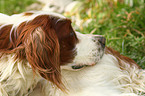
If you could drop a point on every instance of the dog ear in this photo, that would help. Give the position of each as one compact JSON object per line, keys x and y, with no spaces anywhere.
{"x":36,"y":41}
{"x":42,"y":52}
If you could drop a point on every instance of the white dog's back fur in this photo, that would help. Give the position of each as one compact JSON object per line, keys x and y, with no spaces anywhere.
{"x":104,"y":79}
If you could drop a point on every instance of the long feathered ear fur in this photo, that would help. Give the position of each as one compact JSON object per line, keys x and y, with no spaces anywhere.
{"x":42,"y":50}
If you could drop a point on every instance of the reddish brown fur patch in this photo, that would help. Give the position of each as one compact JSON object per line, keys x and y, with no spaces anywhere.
{"x":28,"y":14}
{"x":121,"y":58}
{"x":67,"y":40}
{"x":4,"y":38}
{"x":42,"y":48}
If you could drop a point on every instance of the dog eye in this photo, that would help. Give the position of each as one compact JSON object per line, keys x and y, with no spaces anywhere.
{"x":71,"y":33}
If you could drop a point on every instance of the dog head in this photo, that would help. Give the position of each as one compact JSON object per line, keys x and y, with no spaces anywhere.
{"x":48,"y":41}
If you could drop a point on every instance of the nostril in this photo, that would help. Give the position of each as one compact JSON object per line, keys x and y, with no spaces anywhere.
{"x":102,"y":41}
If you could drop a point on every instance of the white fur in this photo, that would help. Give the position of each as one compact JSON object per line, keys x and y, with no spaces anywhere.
{"x":16,"y":76}
{"x":103,"y":79}
{"x":4,"y":18}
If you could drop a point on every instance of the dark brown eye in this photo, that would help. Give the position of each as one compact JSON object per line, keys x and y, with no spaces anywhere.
{"x":71,"y":33}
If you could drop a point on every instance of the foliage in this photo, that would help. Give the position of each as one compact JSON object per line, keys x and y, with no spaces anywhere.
{"x":14,"y":6}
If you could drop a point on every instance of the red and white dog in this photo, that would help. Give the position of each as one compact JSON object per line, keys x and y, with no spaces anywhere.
{"x":41,"y":48}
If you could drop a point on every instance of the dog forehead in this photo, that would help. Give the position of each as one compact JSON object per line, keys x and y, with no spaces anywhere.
{"x":27,"y":16}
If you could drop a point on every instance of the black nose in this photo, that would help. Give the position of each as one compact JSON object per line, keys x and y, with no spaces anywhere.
{"x":102,"y":41}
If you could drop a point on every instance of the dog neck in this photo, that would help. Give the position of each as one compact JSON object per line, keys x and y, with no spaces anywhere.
{"x":91,"y":81}
{"x":104,"y":78}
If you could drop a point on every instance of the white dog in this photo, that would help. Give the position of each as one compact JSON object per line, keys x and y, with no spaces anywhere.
{"x":42,"y":55}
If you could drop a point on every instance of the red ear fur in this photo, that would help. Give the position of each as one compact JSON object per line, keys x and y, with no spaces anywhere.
{"x":4,"y":38}
{"x":43,"y":52}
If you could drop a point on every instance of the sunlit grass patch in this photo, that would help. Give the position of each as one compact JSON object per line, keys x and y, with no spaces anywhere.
{"x":14,"y":6}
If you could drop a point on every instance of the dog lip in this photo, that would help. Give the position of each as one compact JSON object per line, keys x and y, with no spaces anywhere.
{"x":82,"y":66}
{"x":78,"y":66}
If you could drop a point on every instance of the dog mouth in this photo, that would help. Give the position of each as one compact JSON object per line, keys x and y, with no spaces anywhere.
{"x":81,"y":66}
{"x":77,"y":67}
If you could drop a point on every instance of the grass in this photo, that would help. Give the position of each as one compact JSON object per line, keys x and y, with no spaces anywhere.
{"x":122,"y":22}
{"x":14,"y":6}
